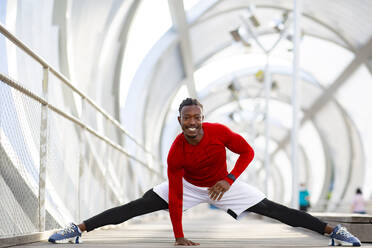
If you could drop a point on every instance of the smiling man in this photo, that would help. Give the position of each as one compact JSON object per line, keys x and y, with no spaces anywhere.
{"x":197,"y":173}
{"x":197,"y":169}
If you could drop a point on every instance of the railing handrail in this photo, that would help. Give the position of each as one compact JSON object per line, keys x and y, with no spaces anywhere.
{"x":41,"y":100}
{"x":67,"y":82}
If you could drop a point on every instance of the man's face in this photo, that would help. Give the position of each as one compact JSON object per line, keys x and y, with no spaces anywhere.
{"x":191,"y":121}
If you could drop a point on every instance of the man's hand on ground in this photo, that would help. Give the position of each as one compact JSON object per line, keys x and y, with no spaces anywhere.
{"x":184,"y":241}
{"x":216,"y":191}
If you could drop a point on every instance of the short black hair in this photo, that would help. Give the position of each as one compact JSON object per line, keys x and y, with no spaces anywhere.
{"x":189,"y":102}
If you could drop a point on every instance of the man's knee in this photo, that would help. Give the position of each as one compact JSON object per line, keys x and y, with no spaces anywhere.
{"x":148,"y":194}
{"x":153,"y":199}
{"x":269,"y":208}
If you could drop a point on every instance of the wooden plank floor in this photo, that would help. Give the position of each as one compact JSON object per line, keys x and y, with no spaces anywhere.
{"x":211,"y":229}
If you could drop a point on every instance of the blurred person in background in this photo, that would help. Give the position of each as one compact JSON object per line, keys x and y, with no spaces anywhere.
{"x":359,"y":205}
{"x":304,"y":200}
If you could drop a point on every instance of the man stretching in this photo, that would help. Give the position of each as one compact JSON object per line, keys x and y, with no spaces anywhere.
{"x":197,"y":173}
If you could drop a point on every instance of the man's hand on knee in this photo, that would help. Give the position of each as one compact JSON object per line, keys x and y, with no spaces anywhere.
{"x":218,"y":190}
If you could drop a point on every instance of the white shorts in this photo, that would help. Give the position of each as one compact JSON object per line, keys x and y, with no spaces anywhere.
{"x":235,"y":201}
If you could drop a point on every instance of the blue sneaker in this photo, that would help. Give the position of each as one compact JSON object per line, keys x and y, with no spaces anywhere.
{"x":70,"y":234}
{"x":341,"y":236}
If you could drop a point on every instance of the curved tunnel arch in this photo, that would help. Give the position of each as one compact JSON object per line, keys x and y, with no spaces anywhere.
{"x":162,"y":73}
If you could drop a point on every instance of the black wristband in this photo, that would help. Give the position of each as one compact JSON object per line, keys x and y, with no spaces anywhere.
{"x":232,"y":177}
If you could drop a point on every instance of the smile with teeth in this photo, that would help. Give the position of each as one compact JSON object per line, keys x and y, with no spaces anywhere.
{"x":191,"y":128}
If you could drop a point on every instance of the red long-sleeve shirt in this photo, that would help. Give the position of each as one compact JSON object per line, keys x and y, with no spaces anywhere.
{"x":202,"y":165}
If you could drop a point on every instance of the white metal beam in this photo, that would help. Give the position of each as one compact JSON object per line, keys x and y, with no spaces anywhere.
{"x":360,"y":57}
{"x":182,"y":28}
{"x":296,"y":100}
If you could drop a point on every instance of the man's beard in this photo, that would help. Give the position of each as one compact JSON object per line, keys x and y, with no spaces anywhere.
{"x":192,"y":137}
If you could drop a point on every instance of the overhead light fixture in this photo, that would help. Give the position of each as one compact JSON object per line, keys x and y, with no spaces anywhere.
{"x":290,"y":36}
{"x":274,"y":85}
{"x":279,"y":26}
{"x":254,"y":21}
{"x":238,"y":38}
{"x":235,"y":34}
{"x":260,"y":76}
{"x":234,"y":86}
{"x":252,"y":17}
{"x":234,"y":116}
{"x":285,"y":16}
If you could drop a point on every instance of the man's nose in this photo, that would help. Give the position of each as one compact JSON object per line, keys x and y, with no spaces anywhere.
{"x":192,"y":121}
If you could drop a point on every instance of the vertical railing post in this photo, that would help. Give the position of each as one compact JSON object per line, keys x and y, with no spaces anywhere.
{"x":105,"y":133}
{"x":267,"y":159}
{"x":43,"y":150}
{"x":296,"y":101}
{"x":149,"y":161}
{"x":82,"y":157}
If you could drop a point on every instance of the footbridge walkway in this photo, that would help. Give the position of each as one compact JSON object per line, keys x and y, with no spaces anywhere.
{"x":211,"y":228}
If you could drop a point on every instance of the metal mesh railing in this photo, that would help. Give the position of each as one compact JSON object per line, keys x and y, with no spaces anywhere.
{"x":61,"y":159}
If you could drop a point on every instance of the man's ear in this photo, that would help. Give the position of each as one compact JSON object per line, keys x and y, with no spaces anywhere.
{"x":202,"y":117}
{"x":179,"y":119}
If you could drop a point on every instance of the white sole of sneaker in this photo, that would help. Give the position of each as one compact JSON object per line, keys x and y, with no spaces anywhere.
{"x":74,"y":240}
{"x":335,"y":242}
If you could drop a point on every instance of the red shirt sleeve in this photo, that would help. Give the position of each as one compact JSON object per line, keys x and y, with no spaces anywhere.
{"x":237,"y":144}
{"x":175,"y":175}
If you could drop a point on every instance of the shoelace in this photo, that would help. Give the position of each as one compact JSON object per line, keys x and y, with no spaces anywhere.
{"x":343,"y":232}
{"x":68,"y":229}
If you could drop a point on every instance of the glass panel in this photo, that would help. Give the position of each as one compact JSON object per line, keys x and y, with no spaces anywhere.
{"x":323,"y":59}
{"x":324,"y":63}
{"x":151,"y":21}
{"x":188,"y":4}
{"x":355,"y":96}
{"x":312,"y":145}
